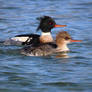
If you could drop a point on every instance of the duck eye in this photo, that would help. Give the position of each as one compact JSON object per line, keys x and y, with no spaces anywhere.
{"x":50,"y":23}
{"x":67,"y":38}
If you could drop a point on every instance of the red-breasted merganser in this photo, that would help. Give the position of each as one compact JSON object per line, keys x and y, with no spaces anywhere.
{"x":46,"y":24}
{"x":62,"y":39}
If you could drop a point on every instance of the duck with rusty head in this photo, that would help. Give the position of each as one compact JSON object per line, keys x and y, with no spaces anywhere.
{"x":44,"y":49}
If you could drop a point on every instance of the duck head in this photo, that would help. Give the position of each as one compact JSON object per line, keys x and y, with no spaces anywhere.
{"x":62,"y":39}
{"x":47,"y":23}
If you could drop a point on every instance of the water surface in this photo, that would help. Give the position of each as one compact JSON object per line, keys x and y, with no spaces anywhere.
{"x":20,"y":73}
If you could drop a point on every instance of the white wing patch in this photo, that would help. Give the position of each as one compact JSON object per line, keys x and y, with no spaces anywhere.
{"x":21,"y":39}
{"x":29,"y":39}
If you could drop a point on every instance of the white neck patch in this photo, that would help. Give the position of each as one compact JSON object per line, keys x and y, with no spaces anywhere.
{"x":48,"y":33}
{"x":63,"y":48}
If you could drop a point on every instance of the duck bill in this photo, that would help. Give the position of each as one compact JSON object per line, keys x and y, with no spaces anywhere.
{"x":75,"y":40}
{"x":60,"y":25}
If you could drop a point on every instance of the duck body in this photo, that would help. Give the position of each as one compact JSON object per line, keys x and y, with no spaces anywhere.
{"x":25,"y":39}
{"x":44,"y":49}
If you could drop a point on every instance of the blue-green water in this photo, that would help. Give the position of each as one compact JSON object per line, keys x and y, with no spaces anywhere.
{"x":20,"y":73}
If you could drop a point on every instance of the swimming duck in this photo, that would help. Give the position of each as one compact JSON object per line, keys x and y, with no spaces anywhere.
{"x":46,"y":24}
{"x":44,"y":49}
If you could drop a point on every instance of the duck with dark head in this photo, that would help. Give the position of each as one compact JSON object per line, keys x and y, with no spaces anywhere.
{"x":46,"y":24}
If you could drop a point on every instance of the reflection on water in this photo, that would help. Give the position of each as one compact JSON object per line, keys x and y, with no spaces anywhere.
{"x":72,"y":73}
{"x":62,"y":55}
